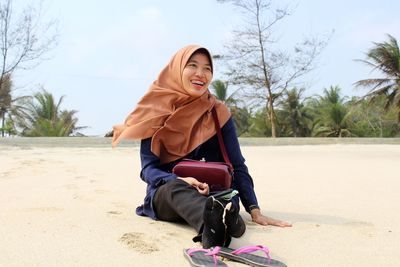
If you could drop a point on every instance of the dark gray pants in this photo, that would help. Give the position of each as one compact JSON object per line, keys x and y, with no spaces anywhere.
{"x":177,"y":200}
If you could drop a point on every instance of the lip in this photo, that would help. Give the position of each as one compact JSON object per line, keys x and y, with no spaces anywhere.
{"x":195,"y":84}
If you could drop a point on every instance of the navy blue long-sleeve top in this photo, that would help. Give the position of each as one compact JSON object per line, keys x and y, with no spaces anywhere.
{"x":156,"y":175}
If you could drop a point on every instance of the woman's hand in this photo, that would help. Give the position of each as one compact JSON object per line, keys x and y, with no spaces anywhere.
{"x":202,"y":188}
{"x":257,"y":217}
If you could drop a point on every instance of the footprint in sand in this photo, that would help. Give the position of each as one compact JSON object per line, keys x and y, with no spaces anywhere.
{"x":114,"y":212}
{"x":139,"y":242}
{"x":30,"y":162}
{"x":363,"y":228}
{"x":6,"y":174}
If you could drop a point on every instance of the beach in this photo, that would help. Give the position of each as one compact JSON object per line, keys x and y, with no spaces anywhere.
{"x":75,"y":206}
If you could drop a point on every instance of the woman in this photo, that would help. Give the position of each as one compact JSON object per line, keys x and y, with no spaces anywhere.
{"x":173,"y":120}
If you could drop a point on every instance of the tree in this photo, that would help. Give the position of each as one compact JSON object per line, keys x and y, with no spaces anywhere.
{"x":255,"y":63}
{"x":45,"y":117}
{"x":332,"y":115}
{"x":371,"y":119}
{"x":5,"y":100}
{"x":220,"y":90}
{"x":24,"y":40}
{"x":9,"y":128}
{"x":295,"y":114}
{"x":259,"y":127}
{"x":384,"y":57}
{"x":13,"y":107}
{"x":240,"y":115}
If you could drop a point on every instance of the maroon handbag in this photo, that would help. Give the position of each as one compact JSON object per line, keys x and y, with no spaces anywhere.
{"x":218,"y":175}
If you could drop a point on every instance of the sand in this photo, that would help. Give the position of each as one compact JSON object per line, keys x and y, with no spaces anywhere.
{"x":66,"y":206}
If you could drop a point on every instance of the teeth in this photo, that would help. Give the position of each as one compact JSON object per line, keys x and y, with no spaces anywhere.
{"x":198,"y":82}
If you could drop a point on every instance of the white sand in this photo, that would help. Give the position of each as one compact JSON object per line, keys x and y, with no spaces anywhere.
{"x":76,"y":207}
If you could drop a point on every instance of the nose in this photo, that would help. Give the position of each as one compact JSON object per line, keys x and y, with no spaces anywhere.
{"x":200,"y":73}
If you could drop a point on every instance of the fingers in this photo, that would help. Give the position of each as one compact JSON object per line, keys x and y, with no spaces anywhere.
{"x":203,"y":189}
{"x":190,"y":180}
{"x":286,"y":224}
{"x":281,"y":223}
{"x":263,"y":220}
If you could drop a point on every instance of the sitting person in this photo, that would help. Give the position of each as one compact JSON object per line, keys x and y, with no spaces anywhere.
{"x":173,"y":120}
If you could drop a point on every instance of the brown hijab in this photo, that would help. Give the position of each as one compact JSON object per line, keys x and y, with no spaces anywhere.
{"x":176,"y":121}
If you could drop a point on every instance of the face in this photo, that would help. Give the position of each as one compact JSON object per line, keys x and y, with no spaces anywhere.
{"x":197,"y":74}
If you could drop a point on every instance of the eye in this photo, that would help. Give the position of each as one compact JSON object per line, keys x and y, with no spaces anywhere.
{"x":191,"y":65}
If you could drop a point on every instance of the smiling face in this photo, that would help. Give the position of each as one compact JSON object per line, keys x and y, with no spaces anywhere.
{"x":197,"y":74}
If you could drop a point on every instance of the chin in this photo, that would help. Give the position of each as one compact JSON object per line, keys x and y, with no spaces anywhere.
{"x":197,"y":93}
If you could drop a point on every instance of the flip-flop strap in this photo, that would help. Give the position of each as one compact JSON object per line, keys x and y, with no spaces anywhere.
{"x":250,"y":249}
{"x":208,"y":252}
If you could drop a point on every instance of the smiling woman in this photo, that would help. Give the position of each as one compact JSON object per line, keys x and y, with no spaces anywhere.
{"x":174,"y":121}
{"x":197,"y":74}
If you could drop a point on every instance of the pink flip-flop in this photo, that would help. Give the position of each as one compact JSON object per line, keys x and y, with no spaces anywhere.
{"x":243,"y":255}
{"x":200,"y":257}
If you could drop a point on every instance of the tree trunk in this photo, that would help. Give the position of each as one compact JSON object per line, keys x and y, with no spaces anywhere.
{"x":398,"y":117}
{"x":294,"y":126}
{"x":272,"y":118}
{"x":2,"y":124}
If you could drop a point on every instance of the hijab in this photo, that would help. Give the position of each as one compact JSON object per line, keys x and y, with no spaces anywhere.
{"x":176,"y":121}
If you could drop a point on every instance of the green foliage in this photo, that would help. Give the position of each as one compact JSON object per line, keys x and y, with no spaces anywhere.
{"x":259,"y":125}
{"x":372,"y":120}
{"x":384,"y":57}
{"x":5,"y":94}
{"x":5,"y":99}
{"x":44,"y":117}
{"x":241,"y":116}
{"x":220,"y":90}
{"x":332,"y":115}
{"x":11,"y":108}
{"x":9,"y":128}
{"x":326,"y":115}
{"x":294,"y":116}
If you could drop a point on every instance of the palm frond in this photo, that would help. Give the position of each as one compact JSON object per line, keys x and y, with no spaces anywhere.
{"x":384,"y":56}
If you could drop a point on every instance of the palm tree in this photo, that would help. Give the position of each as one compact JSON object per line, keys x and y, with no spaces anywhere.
{"x":220,"y":89}
{"x":10,"y":108}
{"x":241,"y":117}
{"x":332,"y":114}
{"x":259,"y":125}
{"x":384,"y":57}
{"x":5,"y":99}
{"x":45,"y":117}
{"x":294,"y":113}
{"x":240,"y":114}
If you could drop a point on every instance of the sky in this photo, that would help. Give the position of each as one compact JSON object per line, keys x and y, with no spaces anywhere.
{"x":109,"y":52}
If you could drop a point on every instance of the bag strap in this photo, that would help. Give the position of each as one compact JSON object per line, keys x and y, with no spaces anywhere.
{"x":221,"y":140}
